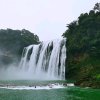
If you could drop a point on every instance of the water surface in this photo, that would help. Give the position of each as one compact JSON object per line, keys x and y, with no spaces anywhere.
{"x":67,"y":93}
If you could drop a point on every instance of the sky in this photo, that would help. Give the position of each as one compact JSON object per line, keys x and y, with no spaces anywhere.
{"x":46,"y":18}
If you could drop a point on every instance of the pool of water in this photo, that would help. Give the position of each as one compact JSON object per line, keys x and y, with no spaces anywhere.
{"x":66,"y":93}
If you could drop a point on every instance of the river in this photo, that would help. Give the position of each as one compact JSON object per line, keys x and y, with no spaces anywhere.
{"x":66,"y":93}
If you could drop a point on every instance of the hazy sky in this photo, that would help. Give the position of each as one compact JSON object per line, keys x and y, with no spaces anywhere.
{"x":46,"y":18}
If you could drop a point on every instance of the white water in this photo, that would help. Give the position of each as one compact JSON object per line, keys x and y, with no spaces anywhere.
{"x":45,"y":61}
{"x":47,"y":87}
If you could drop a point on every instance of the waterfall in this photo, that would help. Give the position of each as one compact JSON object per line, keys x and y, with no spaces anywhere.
{"x":45,"y":60}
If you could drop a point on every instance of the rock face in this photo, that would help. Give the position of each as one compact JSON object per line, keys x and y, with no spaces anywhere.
{"x":12,"y":43}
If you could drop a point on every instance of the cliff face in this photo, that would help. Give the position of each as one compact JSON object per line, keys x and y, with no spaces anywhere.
{"x":83,"y":50}
{"x":12,"y":43}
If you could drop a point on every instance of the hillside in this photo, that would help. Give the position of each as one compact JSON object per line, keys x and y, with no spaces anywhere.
{"x":83,"y":49}
{"x":12,"y":43}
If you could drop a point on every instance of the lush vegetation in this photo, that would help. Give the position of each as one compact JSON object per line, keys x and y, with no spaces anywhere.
{"x":83,"y":49}
{"x":12,"y":43}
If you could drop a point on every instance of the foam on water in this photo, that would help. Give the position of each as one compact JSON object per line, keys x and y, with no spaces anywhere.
{"x":47,"y":87}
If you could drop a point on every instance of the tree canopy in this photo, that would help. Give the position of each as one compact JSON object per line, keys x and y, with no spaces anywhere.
{"x":84,"y":34}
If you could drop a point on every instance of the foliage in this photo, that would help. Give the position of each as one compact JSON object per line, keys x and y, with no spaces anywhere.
{"x":97,"y":7}
{"x":83,"y":47}
{"x":84,"y":35}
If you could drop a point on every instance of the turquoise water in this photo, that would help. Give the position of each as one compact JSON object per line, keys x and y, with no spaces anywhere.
{"x":67,"y":93}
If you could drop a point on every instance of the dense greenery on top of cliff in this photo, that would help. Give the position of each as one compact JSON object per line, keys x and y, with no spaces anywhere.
{"x":12,"y":42}
{"x":84,"y":35}
{"x":83,"y":48}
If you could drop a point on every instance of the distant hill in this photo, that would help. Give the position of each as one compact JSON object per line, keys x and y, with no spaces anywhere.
{"x":12,"y":43}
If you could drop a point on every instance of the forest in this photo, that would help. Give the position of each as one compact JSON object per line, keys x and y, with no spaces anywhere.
{"x":83,"y":49}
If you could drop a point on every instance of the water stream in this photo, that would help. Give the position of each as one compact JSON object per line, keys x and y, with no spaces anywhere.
{"x":46,"y":60}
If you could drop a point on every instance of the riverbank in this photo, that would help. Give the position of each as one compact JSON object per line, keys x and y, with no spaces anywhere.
{"x":91,"y":84}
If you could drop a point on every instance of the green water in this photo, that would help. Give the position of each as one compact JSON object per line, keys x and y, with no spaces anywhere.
{"x":68,"y":93}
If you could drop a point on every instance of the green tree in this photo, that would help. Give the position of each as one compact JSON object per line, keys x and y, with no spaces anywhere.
{"x":97,"y":7}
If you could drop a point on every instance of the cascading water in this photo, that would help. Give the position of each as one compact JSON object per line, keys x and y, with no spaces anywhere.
{"x":46,"y":60}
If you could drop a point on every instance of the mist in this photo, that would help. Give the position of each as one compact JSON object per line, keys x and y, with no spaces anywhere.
{"x":13,"y":72}
{"x":9,"y":67}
